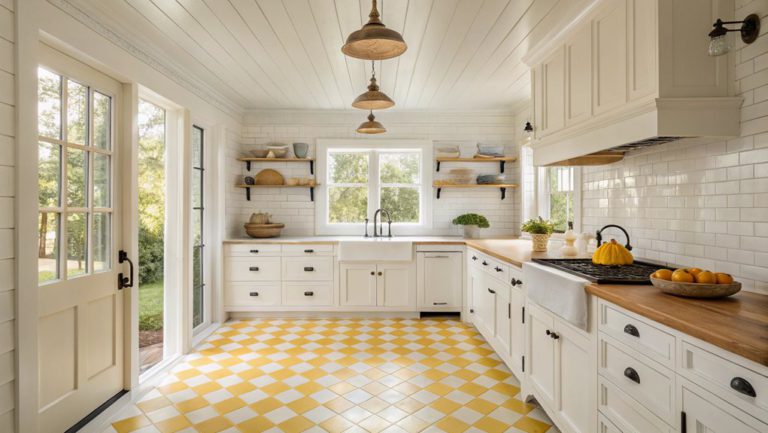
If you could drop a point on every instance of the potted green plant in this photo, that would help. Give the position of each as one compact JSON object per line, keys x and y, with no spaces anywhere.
{"x":472,"y":223}
{"x":540,"y":231}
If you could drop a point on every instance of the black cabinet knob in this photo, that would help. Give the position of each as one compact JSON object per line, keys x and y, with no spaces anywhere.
{"x":555,"y":336}
{"x":631,"y":374}
{"x":254,"y":294}
{"x":309,"y":251}
{"x":631,"y":330}
{"x":485,"y":263}
{"x":513,"y":282}
{"x":493,"y":292}
{"x":474,"y":257}
{"x":254,"y":251}
{"x":254,"y":269}
{"x":373,"y":273}
{"x":381,"y":273}
{"x":309,"y":293}
{"x":498,"y":269}
{"x":742,"y":386}
{"x":548,"y":332}
{"x":309,"y":269}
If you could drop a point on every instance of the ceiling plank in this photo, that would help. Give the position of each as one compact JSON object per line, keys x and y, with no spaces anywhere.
{"x":393,"y":14}
{"x":324,"y":13}
{"x":348,"y":15}
{"x":416,"y":21}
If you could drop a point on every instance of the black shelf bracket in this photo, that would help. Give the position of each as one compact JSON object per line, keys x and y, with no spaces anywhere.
{"x":248,"y":165}
{"x":501,"y":166}
{"x":248,"y":193}
{"x":438,"y":192}
{"x":311,"y":167}
{"x":503,"y":193}
{"x":312,"y":193}
{"x":438,"y":165}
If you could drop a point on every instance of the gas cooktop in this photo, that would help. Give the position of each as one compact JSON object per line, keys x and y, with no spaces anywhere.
{"x":636,"y":273}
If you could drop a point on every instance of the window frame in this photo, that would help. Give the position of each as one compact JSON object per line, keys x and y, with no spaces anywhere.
{"x":205,"y":288}
{"x":543,"y":194}
{"x":375,"y":147}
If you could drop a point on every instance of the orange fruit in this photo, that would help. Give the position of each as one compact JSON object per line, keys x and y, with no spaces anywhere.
{"x":723,"y":278}
{"x":705,"y":277}
{"x":694,"y":271}
{"x":682,"y":276}
{"x":663,"y":274}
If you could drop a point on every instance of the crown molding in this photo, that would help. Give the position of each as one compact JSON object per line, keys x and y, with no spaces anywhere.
{"x":164,"y":66}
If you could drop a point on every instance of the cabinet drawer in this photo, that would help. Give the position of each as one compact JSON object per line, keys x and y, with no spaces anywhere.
{"x":739,"y":385}
{"x":252,"y":295}
{"x":497,"y":268}
{"x":649,"y":383}
{"x":308,"y":294}
{"x":625,"y":412}
{"x":307,"y":250}
{"x":308,"y":268}
{"x":253,"y":250}
{"x":252,"y":269}
{"x":637,"y":334}
{"x":606,"y":426}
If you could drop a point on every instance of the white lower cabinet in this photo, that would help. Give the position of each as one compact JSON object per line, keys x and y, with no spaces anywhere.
{"x":245,"y":295}
{"x":372,"y":285}
{"x":540,"y":363}
{"x":503,"y":316}
{"x":308,"y":294}
{"x":706,"y":413}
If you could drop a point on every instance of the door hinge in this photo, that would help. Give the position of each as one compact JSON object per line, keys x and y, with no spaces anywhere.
{"x":523,"y":363}
{"x":683,"y":422}
{"x":523,"y":320}
{"x":509,"y":310}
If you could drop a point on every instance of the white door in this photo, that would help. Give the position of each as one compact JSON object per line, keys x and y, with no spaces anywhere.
{"x":706,"y":413}
{"x":358,"y":285}
{"x":503,"y":316}
{"x":441,"y":276}
{"x":394,"y":286}
{"x":80,"y":324}
{"x":516,"y":340}
{"x":574,"y":369}
{"x":541,"y":350}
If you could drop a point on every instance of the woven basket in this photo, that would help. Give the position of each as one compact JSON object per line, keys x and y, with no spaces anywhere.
{"x":540,"y":242}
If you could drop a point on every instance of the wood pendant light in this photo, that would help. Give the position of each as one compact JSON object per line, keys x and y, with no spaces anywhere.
{"x":371,"y":126}
{"x":373,"y":99}
{"x":374,"y":41}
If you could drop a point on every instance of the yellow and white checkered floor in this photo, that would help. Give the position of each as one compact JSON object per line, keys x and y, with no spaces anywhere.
{"x":338,"y":375}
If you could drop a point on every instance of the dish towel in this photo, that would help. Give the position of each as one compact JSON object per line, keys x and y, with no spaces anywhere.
{"x":559,"y":292}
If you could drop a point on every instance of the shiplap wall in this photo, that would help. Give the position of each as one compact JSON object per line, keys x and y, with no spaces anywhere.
{"x":694,"y":202}
{"x":293,"y":207}
{"x":7,"y":192}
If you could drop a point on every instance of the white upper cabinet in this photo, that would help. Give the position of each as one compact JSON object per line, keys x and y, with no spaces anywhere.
{"x":629,"y":70}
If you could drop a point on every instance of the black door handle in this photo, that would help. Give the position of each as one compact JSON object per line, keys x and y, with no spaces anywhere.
{"x":498,"y":269}
{"x":309,"y":293}
{"x":741,"y":385}
{"x":555,"y":336}
{"x":631,"y":374}
{"x":514,"y":282}
{"x":485,"y":263}
{"x":309,"y":251}
{"x":493,"y":292}
{"x":631,"y":330}
{"x":254,"y":251}
{"x":439,"y":303}
{"x":548,"y":332}
{"x":474,"y":257}
{"x":123,"y":282}
{"x":254,"y":294}
{"x":308,"y":269}
{"x":254,"y":269}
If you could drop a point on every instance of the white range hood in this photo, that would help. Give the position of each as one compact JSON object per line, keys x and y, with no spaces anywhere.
{"x":629,"y":74}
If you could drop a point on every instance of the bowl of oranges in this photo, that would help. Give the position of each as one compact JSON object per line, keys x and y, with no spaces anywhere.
{"x":695,"y":283}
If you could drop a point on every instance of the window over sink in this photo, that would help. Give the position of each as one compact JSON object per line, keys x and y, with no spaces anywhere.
{"x":357,"y":177}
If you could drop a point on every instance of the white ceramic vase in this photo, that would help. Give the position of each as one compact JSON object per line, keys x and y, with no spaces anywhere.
{"x":471,"y":231}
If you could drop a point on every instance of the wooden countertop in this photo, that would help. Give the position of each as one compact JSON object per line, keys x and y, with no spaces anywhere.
{"x":738,"y":323}
{"x":514,"y":251}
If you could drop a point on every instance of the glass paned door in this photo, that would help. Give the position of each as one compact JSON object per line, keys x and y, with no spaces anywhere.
{"x":80,"y":309}
{"x":198,"y":218}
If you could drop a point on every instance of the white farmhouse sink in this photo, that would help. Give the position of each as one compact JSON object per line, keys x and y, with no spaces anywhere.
{"x":375,"y":249}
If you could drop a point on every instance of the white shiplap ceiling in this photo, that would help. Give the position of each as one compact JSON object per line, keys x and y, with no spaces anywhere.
{"x":462,"y":54}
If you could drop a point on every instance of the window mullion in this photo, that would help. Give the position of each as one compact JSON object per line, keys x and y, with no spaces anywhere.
{"x":374,"y":195}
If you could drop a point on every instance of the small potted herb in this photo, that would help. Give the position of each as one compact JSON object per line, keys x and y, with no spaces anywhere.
{"x":472,"y":223}
{"x":540,"y":231}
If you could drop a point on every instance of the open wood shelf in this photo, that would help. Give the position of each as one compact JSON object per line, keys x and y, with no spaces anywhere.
{"x":248,"y":189}
{"x":248,"y":160}
{"x":502,"y":160}
{"x":501,"y":186}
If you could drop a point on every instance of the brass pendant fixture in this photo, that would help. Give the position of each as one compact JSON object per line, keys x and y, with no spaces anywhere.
{"x":374,"y":41}
{"x":371,"y":126}
{"x":373,"y":99}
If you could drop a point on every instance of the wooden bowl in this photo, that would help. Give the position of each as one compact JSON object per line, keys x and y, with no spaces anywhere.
{"x":696,"y":290}
{"x":263,"y":230}
{"x":269,"y":177}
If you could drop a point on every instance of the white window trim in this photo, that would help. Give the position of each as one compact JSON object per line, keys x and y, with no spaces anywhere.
{"x":541,"y":203}
{"x":321,"y":207}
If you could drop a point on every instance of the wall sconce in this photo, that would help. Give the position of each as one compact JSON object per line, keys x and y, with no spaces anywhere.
{"x":528,"y":132}
{"x":718,"y":42}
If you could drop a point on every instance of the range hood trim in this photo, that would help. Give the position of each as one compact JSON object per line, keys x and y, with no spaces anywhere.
{"x":677,"y":117}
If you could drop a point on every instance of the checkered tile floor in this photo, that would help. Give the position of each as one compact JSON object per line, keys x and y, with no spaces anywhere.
{"x":340,"y":375}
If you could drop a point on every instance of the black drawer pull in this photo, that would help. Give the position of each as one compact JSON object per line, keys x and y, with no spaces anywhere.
{"x":631,"y":330}
{"x":474,"y":257}
{"x":309,"y":269}
{"x":439,"y":303}
{"x":254,"y":251}
{"x":548,"y":332}
{"x":555,"y":336}
{"x":253,"y":294}
{"x":485,"y":263}
{"x":254,"y":269}
{"x":631,"y":374}
{"x":309,"y":251}
{"x":491,"y":291}
{"x":741,"y":385}
{"x":309,"y":293}
{"x":515,"y":282}
{"x":498,"y":269}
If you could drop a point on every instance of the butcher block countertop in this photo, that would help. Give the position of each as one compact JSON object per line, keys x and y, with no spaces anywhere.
{"x":514,"y":251}
{"x":738,"y":323}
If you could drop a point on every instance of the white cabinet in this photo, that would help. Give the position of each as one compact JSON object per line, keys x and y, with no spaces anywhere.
{"x":578,"y":69}
{"x":371,"y":285}
{"x":440,"y":279}
{"x":610,"y":42}
{"x":553,"y":92}
{"x":560,"y":368}
{"x":503,"y":316}
{"x":517,"y":333}
{"x":704,"y":412}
